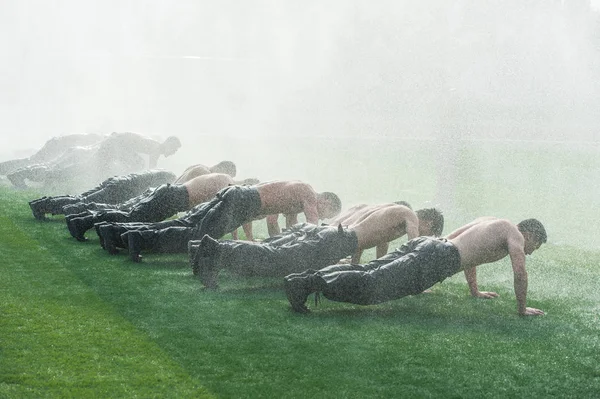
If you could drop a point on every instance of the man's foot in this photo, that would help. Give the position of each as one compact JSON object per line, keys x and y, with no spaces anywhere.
{"x":192,"y":251}
{"x":206,"y":270}
{"x":38,"y":209}
{"x":17,"y":181}
{"x":297,"y":292}
{"x":99,"y":233}
{"x":108,"y":238}
{"x":78,"y":227}
{"x":206,"y":260}
{"x":134,"y":243}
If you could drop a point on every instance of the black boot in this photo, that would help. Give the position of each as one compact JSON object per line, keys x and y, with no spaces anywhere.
{"x":17,"y":180}
{"x":205,"y":263}
{"x":299,"y":286}
{"x":137,"y":241}
{"x":97,"y":228}
{"x":38,"y":208}
{"x":78,"y":226}
{"x":192,"y":250}
{"x":110,"y":237}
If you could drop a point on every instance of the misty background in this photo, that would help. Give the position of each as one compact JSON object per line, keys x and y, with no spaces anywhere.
{"x":327,"y":91}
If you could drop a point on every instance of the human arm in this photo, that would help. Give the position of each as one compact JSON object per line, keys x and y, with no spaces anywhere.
{"x":152,"y":160}
{"x":141,"y":145}
{"x":291,"y":219}
{"x":248,"y":231}
{"x":309,"y":206}
{"x":517,"y":257}
{"x":471,"y":276}
{"x":411,"y":222}
{"x":381,"y":249}
{"x":356,"y":257}
{"x":273,"y":225}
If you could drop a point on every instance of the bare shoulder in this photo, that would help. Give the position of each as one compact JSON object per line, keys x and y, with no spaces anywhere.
{"x":300,"y":188}
{"x":500,"y":223}
{"x":397,"y":210}
{"x":486,"y":219}
{"x":222,"y":177}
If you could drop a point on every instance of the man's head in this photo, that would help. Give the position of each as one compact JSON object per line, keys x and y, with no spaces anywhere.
{"x":226,"y":167}
{"x":534,"y":233}
{"x":328,"y":205}
{"x":403,"y":203}
{"x":170,"y":146}
{"x":431,"y":222}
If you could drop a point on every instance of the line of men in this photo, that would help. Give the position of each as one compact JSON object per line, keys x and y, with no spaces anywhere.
{"x":310,"y":256}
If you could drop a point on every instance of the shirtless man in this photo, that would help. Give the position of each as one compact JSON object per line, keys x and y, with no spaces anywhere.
{"x":307,"y":245}
{"x":121,"y":147}
{"x":424,"y":261}
{"x":402,"y":220}
{"x":163,"y":202}
{"x":231,"y":208}
{"x":117,"y":154}
{"x":51,"y":150}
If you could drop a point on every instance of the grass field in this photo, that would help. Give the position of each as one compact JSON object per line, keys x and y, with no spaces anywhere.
{"x":76,"y":322}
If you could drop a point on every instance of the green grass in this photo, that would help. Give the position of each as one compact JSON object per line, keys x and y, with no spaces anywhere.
{"x":76,"y":322}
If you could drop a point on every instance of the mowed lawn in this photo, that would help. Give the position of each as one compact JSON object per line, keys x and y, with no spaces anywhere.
{"x":77,"y":322}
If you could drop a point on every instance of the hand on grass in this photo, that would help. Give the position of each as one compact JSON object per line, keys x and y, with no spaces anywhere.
{"x":485,"y":294}
{"x":532,"y":312}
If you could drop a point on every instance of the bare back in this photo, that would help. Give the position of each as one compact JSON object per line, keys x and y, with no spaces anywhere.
{"x":357,"y":213}
{"x":192,"y":172}
{"x":380,"y":224}
{"x":288,"y":198}
{"x":204,"y":188}
{"x":485,"y":240}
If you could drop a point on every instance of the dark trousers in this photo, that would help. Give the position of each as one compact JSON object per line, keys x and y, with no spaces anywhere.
{"x":303,"y":247}
{"x":409,"y":270}
{"x":161,"y":203}
{"x":232,"y":207}
{"x":110,"y":194}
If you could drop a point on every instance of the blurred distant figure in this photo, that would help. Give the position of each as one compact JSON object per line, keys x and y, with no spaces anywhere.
{"x":53,"y":149}
{"x":117,"y":154}
{"x":126,"y":148}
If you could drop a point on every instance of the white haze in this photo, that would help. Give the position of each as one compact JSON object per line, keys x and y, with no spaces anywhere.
{"x":228,"y":76}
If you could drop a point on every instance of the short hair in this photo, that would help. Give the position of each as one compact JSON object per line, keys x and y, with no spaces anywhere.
{"x":172,"y":141}
{"x":334,"y":200}
{"x":403,"y":203}
{"x":534,"y":227}
{"x":435,"y":216}
{"x":226,"y":167}
{"x":250,"y":181}
{"x":170,"y":146}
